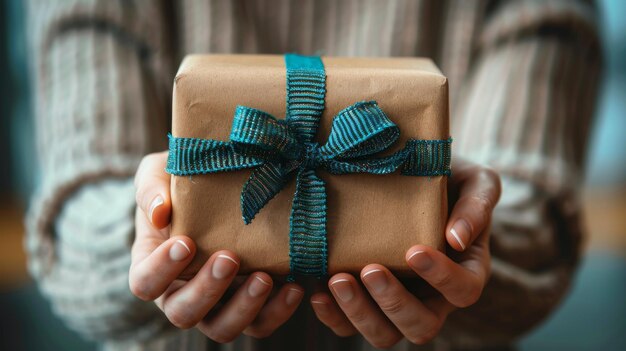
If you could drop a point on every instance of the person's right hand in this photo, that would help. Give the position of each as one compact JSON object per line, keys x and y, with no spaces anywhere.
{"x":157,"y":261}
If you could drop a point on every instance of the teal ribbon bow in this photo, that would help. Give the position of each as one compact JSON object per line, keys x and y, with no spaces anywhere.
{"x":277,"y":149}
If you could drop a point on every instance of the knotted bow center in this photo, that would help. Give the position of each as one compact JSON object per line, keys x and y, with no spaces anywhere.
{"x":311,"y":158}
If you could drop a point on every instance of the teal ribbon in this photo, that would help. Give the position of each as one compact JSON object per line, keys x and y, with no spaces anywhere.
{"x":277,"y":149}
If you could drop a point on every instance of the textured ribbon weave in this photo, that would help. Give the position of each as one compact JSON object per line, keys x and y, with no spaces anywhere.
{"x":277,"y":149}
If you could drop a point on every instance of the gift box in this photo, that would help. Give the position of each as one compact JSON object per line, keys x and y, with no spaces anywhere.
{"x":309,"y":165}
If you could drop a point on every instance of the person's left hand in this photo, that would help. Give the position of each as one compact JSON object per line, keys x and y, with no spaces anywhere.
{"x":386,"y":311}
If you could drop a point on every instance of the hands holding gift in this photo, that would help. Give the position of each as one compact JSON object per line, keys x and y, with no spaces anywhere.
{"x":157,"y":261}
{"x":383,"y":312}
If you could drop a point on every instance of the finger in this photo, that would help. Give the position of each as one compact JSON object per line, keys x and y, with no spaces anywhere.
{"x":362,"y":312}
{"x":147,"y":238}
{"x":187,"y":306}
{"x":479,"y":191}
{"x":153,"y":189}
{"x":414,"y":320}
{"x":276,"y":311}
{"x":331,"y":315}
{"x":176,"y":284}
{"x":149,"y":276}
{"x":239,"y":311}
{"x":460,"y":285}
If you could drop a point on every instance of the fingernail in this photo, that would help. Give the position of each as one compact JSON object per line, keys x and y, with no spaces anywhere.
{"x":179,"y":251}
{"x":376,"y":279}
{"x":461,"y":232}
{"x":223,"y":266}
{"x":293,"y":295}
{"x":420,"y":261}
{"x":343,"y":289}
{"x":158,"y":201}
{"x":258,"y":286}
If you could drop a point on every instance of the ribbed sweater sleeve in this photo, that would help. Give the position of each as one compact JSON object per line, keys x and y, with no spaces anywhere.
{"x":522,"y":103}
{"x":102,"y":86}
{"x":525,"y":110}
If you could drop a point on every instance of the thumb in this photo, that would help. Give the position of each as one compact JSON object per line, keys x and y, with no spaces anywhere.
{"x":153,"y":189}
{"x":479,"y":190}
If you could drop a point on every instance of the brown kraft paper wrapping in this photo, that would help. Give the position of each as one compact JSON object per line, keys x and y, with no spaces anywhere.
{"x":371,"y":218}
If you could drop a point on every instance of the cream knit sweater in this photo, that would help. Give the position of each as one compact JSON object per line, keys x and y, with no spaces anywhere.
{"x":523,"y":78}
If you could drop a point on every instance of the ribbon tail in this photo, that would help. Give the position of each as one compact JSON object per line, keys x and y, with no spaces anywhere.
{"x":427,"y":157}
{"x":308,"y":250}
{"x":191,"y":156}
{"x":264,"y":183}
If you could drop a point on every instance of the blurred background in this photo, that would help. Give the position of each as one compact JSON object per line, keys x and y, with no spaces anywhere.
{"x":593,"y":317}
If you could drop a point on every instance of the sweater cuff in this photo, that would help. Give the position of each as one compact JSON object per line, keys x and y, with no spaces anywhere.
{"x":79,"y":238}
{"x":535,"y":241}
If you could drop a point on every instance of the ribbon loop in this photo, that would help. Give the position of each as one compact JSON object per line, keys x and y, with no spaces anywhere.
{"x":359,"y":130}
{"x":383,"y":165}
{"x":259,"y":134}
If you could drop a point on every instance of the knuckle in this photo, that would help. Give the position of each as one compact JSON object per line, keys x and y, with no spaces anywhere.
{"x":385,"y":343}
{"x":417,"y":340}
{"x":487,"y":268}
{"x":243,"y":309}
{"x":483,"y":206}
{"x":482,"y":203}
{"x":493,"y":176}
{"x":144,"y":194}
{"x":431,"y":334}
{"x":145,"y":175}
{"x":489,"y":172}
{"x":335,"y":323}
{"x":259,"y":332}
{"x":145,"y":161}
{"x":338,"y":326}
{"x":178,"y":319}
{"x":344,"y":331}
{"x":264,"y":334}
{"x":357,"y":316}
{"x":150,"y":159}
{"x":469,"y":298}
{"x":140,"y":287}
{"x":442,"y":280}
{"x":220,"y":336}
{"x":424,"y":337}
{"x":392,"y":305}
{"x":211,"y":295}
{"x":140,"y":194}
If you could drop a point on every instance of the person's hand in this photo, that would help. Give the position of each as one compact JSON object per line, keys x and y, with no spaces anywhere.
{"x":385,"y":310}
{"x":157,"y":261}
